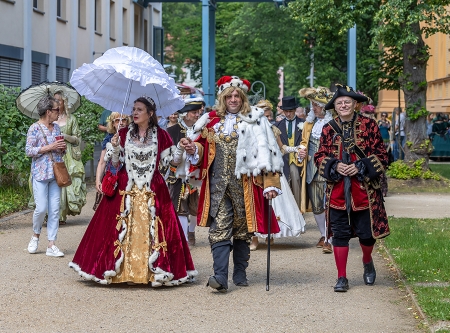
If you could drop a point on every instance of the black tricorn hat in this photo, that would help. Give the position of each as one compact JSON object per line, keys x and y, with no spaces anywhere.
{"x":289,"y":103}
{"x":192,"y":104}
{"x":343,"y":90}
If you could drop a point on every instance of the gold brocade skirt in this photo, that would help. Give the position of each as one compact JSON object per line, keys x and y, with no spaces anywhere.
{"x":136,"y":244}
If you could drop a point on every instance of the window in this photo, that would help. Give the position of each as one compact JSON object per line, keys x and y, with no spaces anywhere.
{"x":38,"y":73}
{"x":61,"y":9}
{"x":125,"y":26}
{"x":82,"y":13}
{"x":146,"y":35}
{"x":158,"y":44}
{"x":98,"y":16}
{"x":38,"y":5}
{"x":62,"y":74}
{"x":112,"y":20}
{"x":10,"y":72}
{"x":137,"y":30}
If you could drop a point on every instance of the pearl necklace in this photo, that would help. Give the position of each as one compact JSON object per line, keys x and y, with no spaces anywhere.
{"x":143,"y":137}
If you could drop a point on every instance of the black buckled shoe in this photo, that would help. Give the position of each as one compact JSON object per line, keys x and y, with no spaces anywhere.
{"x":242,"y":283}
{"x":341,"y":285}
{"x":213,"y":283}
{"x":369,"y":273}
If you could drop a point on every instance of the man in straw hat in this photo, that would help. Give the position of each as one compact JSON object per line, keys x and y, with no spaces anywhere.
{"x":313,"y":185}
{"x":356,"y":210}
{"x":240,"y":163}
{"x":182,"y":189}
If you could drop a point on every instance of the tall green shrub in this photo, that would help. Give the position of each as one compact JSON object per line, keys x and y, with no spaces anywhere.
{"x":88,"y":115}
{"x":15,"y":165}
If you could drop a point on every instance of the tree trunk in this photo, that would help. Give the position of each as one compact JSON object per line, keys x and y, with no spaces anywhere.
{"x":414,"y":86}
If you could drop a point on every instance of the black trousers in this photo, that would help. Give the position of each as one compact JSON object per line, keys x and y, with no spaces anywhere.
{"x":359,"y":226}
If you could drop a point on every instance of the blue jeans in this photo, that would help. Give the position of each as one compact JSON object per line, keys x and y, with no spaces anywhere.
{"x":47,"y":196}
{"x":397,"y":151}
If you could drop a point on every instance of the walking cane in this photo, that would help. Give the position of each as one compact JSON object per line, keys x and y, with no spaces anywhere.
{"x":268,"y":245}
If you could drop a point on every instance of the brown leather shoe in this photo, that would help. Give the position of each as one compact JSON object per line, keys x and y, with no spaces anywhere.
{"x":321,"y":242}
{"x":191,"y":238}
{"x":271,"y":240}
{"x":327,"y":248}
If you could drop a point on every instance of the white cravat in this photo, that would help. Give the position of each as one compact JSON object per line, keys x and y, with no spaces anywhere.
{"x":189,"y":130}
{"x":228,"y":125}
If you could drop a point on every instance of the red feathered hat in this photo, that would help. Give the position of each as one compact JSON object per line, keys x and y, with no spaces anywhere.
{"x":232,"y":81}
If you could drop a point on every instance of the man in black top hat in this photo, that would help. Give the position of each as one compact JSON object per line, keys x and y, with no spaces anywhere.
{"x":352,"y":157}
{"x":291,"y":136}
{"x":183,"y":191}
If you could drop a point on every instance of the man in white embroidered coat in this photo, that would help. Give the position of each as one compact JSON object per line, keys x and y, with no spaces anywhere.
{"x":313,"y":184}
{"x":239,"y":161}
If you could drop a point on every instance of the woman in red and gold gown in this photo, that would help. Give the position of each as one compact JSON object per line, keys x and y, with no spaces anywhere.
{"x":135,"y":235}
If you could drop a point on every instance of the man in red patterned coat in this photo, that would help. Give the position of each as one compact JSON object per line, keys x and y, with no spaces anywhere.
{"x":355,"y":210}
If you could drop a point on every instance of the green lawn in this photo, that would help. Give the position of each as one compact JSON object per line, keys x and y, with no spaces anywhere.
{"x":421,"y":250}
{"x":442,"y":169}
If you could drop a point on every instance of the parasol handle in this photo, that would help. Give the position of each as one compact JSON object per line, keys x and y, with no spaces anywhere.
{"x":126,"y":99}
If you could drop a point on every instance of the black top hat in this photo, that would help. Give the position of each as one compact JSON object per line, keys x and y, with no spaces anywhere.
{"x":343,"y":90}
{"x":289,"y":103}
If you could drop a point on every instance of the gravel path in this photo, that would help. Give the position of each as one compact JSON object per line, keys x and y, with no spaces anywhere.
{"x":41,"y":294}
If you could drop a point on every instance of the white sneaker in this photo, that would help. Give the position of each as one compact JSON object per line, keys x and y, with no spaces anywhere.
{"x":33,"y":245}
{"x":54,"y":252}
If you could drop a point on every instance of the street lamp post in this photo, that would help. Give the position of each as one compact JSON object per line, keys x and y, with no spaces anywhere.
{"x":257,"y":92}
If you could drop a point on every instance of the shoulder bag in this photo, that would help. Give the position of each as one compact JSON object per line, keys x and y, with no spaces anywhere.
{"x":110,"y":180}
{"x":60,"y":172}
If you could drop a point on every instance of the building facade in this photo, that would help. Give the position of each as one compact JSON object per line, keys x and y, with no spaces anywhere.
{"x":48,"y":39}
{"x":438,"y":79}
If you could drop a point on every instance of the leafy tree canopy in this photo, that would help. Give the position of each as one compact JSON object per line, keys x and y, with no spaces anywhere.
{"x":254,"y":39}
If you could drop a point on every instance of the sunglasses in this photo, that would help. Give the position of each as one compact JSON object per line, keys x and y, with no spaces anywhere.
{"x":55,"y":109}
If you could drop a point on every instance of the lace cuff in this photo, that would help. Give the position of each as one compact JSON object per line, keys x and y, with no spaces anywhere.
{"x":193,"y":158}
{"x":178,"y":155}
{"x":361,"y":170}
{"x":271,"y":188}
{"x":334,"y":175}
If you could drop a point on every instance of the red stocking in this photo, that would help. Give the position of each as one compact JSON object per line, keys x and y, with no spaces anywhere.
{"x":340,"y":257}
{"x":367,"y":253}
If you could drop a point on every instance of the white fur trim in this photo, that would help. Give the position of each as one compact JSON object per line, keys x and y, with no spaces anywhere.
{"x":235,"y":82}
{"x":257,"y":148}
{"x":167,"y":155}
{"x":201,"y":123}
{"x":140,"y":170}
{"x":85,"y":275}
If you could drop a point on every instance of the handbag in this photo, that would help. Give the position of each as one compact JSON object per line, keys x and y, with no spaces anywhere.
{"x":109,"y":181}
{"x":60,"y":172}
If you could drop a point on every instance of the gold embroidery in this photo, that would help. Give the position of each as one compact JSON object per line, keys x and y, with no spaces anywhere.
{"x":118,"y":248}
{"x":137,"y":241}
